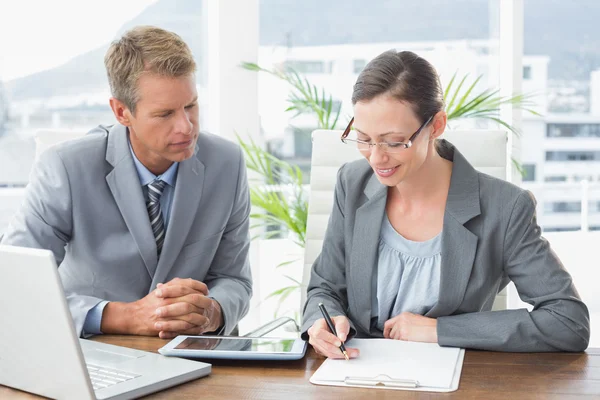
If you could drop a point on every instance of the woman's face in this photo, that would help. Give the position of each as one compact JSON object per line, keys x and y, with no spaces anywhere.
{"x":385,"y":119}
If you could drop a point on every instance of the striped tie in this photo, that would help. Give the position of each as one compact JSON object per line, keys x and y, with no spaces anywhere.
{"x":155,"y":190}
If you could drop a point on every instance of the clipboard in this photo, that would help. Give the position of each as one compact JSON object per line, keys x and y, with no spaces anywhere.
{"x":396,"y":365}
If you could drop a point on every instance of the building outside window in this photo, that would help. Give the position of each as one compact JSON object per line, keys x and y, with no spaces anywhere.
{"x":562,"y":207}
{"x":573,"y":130}
{"x":359,"y":65}
{"x":528,"y":172}
{"x":573,"y":156}
{"x":555,"y":179}
{"x":527,"y":72}
{"x":306,"y":67}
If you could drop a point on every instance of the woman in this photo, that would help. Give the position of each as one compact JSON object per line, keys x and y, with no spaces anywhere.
{"x":419,"y":243}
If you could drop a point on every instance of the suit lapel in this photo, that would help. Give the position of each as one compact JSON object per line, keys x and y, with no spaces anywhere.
{"x":365,"y":248}
{"x":126,"y":189}
{"x":458,"y":254}
{"x":188,"y":191}
{"x":459,"y":245}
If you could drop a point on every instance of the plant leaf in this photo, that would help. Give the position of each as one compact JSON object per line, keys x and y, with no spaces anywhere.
{"x":281,"y":291}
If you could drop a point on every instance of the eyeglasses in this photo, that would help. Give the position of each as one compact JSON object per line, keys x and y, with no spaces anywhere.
{"x":388,"y":147}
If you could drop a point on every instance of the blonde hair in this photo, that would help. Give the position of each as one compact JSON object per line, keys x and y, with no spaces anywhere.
{"x":145,"y":49}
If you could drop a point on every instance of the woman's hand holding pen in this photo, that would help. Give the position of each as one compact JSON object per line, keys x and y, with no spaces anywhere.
{"x":413,"y":327}
{"x":326,"y":343}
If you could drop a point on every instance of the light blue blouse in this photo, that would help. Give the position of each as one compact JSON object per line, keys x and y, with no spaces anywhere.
{"x":407,"y":277}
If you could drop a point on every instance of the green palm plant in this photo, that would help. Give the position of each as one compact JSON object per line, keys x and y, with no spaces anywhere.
{"x":280,"y":194}
{"x":461,"y":103}
{"x":304,"y":98}
{"x":281,"y":197}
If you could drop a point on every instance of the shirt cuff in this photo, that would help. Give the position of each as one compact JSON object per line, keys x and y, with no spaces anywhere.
{"x":93,"y":319}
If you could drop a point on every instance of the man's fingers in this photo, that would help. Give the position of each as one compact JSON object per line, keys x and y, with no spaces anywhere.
{"x":199,"y":300}
{"x":170,"y":291}
{"x":177,"y":310}
{"x":181,"y":323}
{"x":173,"y":326}
{"x":197,"y":330}
{"x":200,"y":303}
{"x":167,"y":335}
{"x":192,"y":283}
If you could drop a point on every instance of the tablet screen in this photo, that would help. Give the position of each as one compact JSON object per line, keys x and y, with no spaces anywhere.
{"x":258,"y":345}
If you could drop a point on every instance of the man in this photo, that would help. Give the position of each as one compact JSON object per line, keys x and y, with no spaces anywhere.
{"x":148,"y":219}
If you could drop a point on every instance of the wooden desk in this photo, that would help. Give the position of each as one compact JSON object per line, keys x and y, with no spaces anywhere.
{"x":485,"y":375}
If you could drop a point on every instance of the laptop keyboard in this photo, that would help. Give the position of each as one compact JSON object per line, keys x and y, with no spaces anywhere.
{"x":103,"y":377}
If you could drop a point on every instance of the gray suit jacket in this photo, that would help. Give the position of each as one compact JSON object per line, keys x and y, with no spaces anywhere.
{"x":490,"y":237}
{"x":84,"y":202}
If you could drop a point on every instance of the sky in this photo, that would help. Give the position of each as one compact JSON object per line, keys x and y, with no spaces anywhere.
{"x":36,"y":35}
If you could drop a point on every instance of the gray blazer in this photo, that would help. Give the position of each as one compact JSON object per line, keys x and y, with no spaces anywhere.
{"x":84,"y":202}
{"x":490,"y":237}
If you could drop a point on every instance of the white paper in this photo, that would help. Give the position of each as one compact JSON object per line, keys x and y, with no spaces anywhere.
{"x":429,"y":364}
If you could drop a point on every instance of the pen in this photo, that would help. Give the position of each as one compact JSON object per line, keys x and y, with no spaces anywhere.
{"x":332,"y":328}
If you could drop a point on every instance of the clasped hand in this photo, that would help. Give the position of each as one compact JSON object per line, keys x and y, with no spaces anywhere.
{"x":178,"y":307}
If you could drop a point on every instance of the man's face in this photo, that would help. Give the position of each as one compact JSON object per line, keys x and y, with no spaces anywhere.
{"x":164,"y":128}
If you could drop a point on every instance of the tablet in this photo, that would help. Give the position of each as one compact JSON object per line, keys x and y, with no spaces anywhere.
{"x":235,"y":348}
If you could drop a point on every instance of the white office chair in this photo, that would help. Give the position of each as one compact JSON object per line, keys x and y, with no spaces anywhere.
{"x":45,"y":138}
{"x":486,"y":150}
{"x":12,"y":198}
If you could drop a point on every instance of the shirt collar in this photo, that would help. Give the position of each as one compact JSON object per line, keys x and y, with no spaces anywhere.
{"x":146,"y":177}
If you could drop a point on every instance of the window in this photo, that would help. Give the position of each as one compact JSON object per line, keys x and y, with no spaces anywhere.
{"x":306,"y":67}
{"x":330,"y":66}
{"x":359,"y":65}
{"x":330,"y":54}
{"x":529,"y":172}
{"x":567,"y":136}
{"x":573,"y":130}
{"x":562,"y":229}
{"x":573,"y":156}
{"x":579,"y":178}
{"x":302,"y":143}
{"x":555,"y":179}
{"x":527,"y":72}
{"x":60,"y":81}
{"x":562,"y":207}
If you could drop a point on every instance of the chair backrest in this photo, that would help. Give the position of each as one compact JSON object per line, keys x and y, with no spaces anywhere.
{"x":11,"y":198}
{"x":45,"y":138}
{"x":486,"y":150}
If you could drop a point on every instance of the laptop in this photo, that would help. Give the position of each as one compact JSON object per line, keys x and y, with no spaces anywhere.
{"x":41,"y":353}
